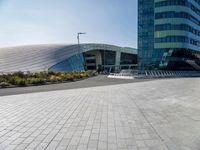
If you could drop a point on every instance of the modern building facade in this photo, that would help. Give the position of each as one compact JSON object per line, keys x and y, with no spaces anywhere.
{"x":72,"y":57}
{"x":169,"y":34}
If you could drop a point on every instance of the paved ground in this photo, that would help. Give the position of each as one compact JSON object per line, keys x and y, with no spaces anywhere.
{"x":154,"y":115}
{"x":100,"y":80}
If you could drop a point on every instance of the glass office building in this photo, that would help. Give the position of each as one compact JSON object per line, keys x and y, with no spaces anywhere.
{"x":169,"y":34}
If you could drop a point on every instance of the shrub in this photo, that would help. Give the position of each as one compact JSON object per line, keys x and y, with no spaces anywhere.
{"x":19,"y":74}
{"x":54,"y":78}
{"x":21,"y":79}
{"x":14,"y":80}
{"x":92,"y":73}
{"x":4,"y":84}
{"x":69,"y":77}
{"x":22,"y":82}
{"x":40,"y":75}
{"x":36,"y":81}
{"x":2,"y":79}
{"x":84,"y":75}
{"x":76,"y":75}
{"x":51,"y":73}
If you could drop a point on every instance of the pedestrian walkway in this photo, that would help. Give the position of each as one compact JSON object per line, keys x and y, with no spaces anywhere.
{"x":153,"y":115}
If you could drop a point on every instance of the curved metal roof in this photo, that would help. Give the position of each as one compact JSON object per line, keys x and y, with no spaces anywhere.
{"x":41,"y":57}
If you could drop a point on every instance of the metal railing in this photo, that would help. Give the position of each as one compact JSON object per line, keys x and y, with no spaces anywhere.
{"x":131,"y":74}
{"x":166,"y":74}
{"x":123,"y":74}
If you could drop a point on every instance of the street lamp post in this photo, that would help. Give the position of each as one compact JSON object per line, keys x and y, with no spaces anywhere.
{"x":78,"y":38}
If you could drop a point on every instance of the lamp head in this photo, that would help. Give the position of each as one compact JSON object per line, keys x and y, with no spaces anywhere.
{"x":81,"y":33}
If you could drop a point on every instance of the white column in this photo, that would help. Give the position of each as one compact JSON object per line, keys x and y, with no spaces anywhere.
{"x":117,"y":59}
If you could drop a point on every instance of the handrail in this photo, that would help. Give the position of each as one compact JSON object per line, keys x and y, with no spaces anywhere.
{"x":165,"y":74}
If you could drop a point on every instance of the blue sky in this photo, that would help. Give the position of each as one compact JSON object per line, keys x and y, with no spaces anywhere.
{"x":58,"y":21}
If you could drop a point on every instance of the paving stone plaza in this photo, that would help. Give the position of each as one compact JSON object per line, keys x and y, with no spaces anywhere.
{"x":153,"y":115}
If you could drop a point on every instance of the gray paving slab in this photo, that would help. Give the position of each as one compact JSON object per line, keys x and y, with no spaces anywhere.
{"x":154,"y":115}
